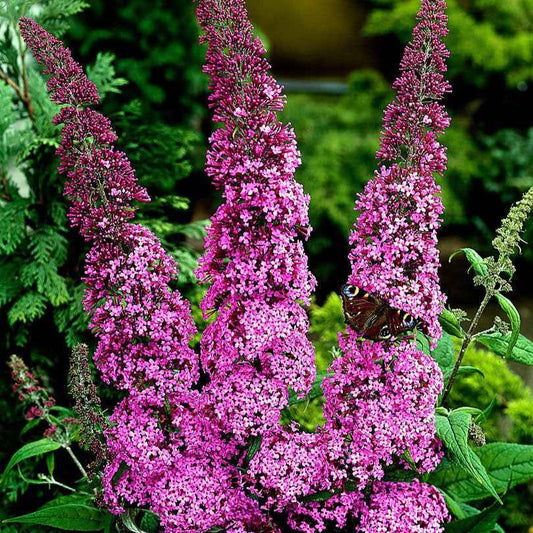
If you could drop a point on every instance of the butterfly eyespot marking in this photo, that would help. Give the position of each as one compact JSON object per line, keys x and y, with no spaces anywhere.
{"x":409,"y":321}
{"x":350,"y":291}
{"x":385,"y":333}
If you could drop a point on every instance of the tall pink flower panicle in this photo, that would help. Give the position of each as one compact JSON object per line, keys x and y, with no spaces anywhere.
{"x":254,"y":259}
{"x":381,"y":395}
{"x":142,"y":326}
{"x":166,"y":446}
{"x":394,"y":252}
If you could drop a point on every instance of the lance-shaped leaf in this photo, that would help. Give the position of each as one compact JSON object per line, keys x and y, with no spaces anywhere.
{"x":450,"y":324}
{"x":514,"y":317}
{"x":31,"y":449}
{"x":507,"y":465}
{"x":522,"y":351}
{"x":453,"y":431}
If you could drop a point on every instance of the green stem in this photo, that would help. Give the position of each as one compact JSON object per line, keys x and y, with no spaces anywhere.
{"x":75,"y":459}
{"x":52,"y":481}
{"x":470,"y":334}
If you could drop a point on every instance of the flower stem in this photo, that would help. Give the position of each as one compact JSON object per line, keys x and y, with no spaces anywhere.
{"x":75,"y":459}
{"x":469,"y":336}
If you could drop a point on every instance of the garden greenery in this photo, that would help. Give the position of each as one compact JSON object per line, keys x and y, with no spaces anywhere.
{"x":209,"y":440}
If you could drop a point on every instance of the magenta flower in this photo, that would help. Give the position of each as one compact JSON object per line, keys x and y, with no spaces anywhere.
{"x":166,"y":448}
{"x":257,"y":345}
{"x":180,"y":448}
{"x":382,"y":399}
{"x":394,"y":252}
{"x":403,"y":508}
{"x":292,"y":465}
{"x":382,"y":394}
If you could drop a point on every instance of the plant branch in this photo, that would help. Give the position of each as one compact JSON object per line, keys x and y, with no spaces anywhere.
{"x":76,"y":460}
{"x":26,"y":85}
{"x":5,"y":195}
{"x":13,"y":85}
{"x":469,"y":336}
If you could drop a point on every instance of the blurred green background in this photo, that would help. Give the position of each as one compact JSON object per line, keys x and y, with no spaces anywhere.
{"x":337,"y":59}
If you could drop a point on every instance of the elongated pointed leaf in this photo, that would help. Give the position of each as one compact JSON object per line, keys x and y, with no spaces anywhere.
{"x":65,"y":516}
{"x":475,"y":260}
{"x":453,"y":431}
{"x":507,"y":465}
{"x":466,"y":370}
{"x":253,"y":448}
{"x":481,"y":522}
{"x":444,"y":355}
{"x":31,"y":449}
{"x":514,"y":317}
{"x":522,"y":351}
{"x":450,"y":324}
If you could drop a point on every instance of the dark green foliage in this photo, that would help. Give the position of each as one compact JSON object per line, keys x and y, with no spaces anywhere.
{"x":162,"y":155}
{"x":486,"y":37}
{"x":36,"y":259}
{"x":156,"y":48}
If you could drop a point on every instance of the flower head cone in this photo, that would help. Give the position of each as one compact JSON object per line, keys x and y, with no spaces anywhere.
{"x":382,"y":394}
{"x":394,"y":254}
{"x":254,"y":257}
{"x":142,"y":325}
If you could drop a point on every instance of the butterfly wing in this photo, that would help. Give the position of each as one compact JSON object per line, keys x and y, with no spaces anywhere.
{"x":362,"y":311}
{"x":371,"y":317}
{"x":400,"y":322}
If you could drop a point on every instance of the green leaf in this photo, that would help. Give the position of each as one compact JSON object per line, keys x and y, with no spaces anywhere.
{"x":484,"y":415}
{"x":320,"y":496}
{"x":150,"y":522}
{"x":422,"y":343}
{"x":453,"y":431}
{"x":50,"y":463}
{"x":522,"y":351}
{"x":481,"y":522}
{"x":450,"y":324}
{"x":454,"y":506}
{"x":30,"y":425}
{"x":253,"y":448}
{"x":514,"y":317}
{"x":467,"y":370}
{"x":128,"y":519}
{"x":66,"y":516}
{"x":10,"y":285}
{"x":31,"y":449}
{"x":444,"y":355}
{"x":507,"y":465}
{"x":103,"y":74}
{"x":476,"y":261}
{"x":469,"y":410}
{"x":12,"y":225}
{"x":27,"y":308}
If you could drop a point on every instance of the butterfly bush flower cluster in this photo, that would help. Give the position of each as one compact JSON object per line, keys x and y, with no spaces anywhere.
{"x":179,"y":442}
{"x":381,"y":395}
{"x":165,"y":447}
{"x":394,"y":252}
{"x":257,"y":345}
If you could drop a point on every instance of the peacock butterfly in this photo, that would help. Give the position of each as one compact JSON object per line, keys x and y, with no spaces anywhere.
{"x":372,"y":318}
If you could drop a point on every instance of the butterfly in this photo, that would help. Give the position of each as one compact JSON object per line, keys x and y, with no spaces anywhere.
{"x":373,"y":318}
